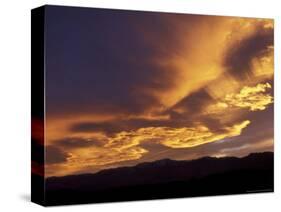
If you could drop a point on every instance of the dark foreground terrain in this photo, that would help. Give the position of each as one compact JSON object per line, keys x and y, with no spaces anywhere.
{"x":166,"y":179}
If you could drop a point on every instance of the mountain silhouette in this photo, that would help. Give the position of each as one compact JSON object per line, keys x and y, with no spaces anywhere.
{"x":165,"y":179}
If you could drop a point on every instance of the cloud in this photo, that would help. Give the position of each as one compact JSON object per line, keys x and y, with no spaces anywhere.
{"x":103,"y":156}
{"x":174,"y":137}
{"x":112,"y":56}
{"x":55,"y":155}
{"x":247,"y":59}
{"x":118,"y":125}
{"x":256,"y":44}
{"x":91,"y":158}
{"x":188,"y":138}
{"x":253,"y":98}
{"x":193,"y":103}
{"x":130,"y":145}
{"x":77,"y":142}
{"x":134,"y":64}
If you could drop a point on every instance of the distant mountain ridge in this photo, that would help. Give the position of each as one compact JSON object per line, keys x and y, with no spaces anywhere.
{"x":165,"y":161}
{"x":235,"y":175}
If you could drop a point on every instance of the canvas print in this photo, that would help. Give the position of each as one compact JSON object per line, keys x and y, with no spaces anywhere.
{"x":135,"y":105}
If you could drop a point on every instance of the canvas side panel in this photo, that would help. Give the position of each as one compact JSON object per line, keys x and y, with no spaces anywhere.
{"x":37,"y":105}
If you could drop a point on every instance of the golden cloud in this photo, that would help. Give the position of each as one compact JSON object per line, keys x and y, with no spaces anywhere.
{"x":188,"y":138}
{"x":94,"y":158}
{"x":252,"y":98}
{"x":174,"y":137}
{"x":126,"y":146}
{"x":200,"y":61}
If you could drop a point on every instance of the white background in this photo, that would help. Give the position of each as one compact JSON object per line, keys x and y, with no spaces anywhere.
{"x":15,"y":105}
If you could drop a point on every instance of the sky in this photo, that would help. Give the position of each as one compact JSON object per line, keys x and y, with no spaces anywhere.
{"x":126,"y":87}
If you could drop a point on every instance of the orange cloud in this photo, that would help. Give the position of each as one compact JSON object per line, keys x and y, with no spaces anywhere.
{"x":200,"y":61}
{"x":252,"y":98}
{"x":126,"y":145}
{"x":94,"y":158}
{"x":187,"y":138}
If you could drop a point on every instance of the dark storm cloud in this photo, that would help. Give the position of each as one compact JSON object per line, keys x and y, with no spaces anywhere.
{"x":77,"y":142}
{"x":195,"y":101}
{"x":116,"y":126}
{"x":192,"y":107}
{"x":55,"y":155}
{"x":239,"y":55}
{"x":101,"y":60}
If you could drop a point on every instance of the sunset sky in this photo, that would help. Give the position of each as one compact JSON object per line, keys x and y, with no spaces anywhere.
{"x":125,"y":87}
